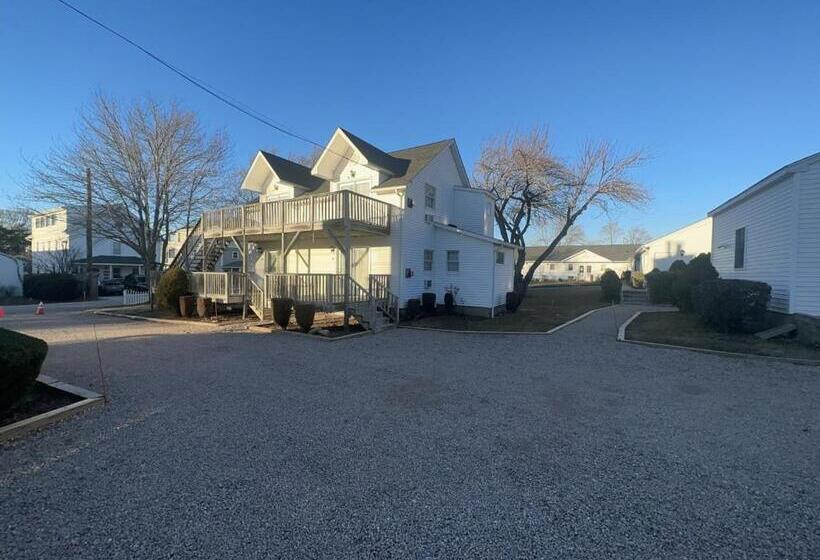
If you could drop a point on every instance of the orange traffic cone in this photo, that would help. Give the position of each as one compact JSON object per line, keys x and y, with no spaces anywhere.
{"x":2,"y":312}
{"x":41,"y":309}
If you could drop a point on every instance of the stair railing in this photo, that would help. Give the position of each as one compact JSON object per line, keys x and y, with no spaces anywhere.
{"x":385,"y":299}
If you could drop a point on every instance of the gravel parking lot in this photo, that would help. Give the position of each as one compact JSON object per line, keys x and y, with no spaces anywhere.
{"x":412,"y":444}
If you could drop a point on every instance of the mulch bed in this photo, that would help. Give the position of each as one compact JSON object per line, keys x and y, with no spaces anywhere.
{"x":685,"y":329}
{"x":41,"y":399}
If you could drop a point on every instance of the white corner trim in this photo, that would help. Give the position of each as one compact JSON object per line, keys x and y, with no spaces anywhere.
{"x":622,"y":328}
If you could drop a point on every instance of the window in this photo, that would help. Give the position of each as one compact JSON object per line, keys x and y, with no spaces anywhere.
{"x":499,"y":257}
{"x":740,"y":247}
{"x":171,"y":253}
{"x":428,"y":219}
{"x":603,"y":267}
{"x":117,"y":272}
{"x":552,"y":266}
{"x":569,"y":266}
{"x":589,"y":268}
{"x":429,"y":196}
{"x":235,"y":255}
{"x":452,"y":261}
{"x":116,"y":248}
{"x":428,"y":284}
{"x":428,"y":260}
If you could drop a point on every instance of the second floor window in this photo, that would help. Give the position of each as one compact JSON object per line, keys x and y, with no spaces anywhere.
{"x":116,"y":248}
{"x":452,"y":261}
{"x":430,"y":197}
{"x":428,"y":260}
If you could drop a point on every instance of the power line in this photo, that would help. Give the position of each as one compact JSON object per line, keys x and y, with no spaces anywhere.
{"x":210,"y":90}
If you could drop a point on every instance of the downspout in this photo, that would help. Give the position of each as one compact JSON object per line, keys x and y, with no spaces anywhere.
{"x":400,"y":272}
{"x":492,"y":289}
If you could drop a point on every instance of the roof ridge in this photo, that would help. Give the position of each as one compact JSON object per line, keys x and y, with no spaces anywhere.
{"x":421,"y":146}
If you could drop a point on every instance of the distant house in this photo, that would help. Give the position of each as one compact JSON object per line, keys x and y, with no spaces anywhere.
{"x":683,"y":244}
{"x":11,"y":275}
{"x":770,"y":232}
{"x":58,"y":245}
{"x":582,"y":263}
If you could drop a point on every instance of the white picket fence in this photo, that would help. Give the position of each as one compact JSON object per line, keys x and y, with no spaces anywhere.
{"x":134,"y":297}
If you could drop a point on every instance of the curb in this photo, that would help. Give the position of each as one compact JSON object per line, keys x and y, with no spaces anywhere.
{"x":530,"y":333}
{"x":177,"y":322}
{"x":18,"y":429}
{"x":313,"y":336}
{"x":782,"y":359}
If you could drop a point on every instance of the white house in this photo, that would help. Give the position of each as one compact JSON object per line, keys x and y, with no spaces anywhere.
{"x":770,"y":232}
{"x":11,"y":275}
{"x":683,"y":244}
{"x":58,"y":244}
{"x":363,"y":229}
{"x":583,"y":263}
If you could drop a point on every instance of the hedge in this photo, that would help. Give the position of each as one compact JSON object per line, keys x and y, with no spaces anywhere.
{"x":659,"y":285}
{"x":21,"y":357}
{"x":172,"y":285}
{"x":732,"y":305}
{"x":610,"y":287}
{"x":52,"y":287}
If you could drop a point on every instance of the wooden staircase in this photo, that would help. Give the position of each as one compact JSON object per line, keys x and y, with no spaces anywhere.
{"x":197,"y":253}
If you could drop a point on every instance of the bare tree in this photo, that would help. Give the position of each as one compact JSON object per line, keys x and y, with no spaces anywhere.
{"x":575,"y":235}
{"x":530,"y":185}
{"x":307,"y":159}
{"x":611,"y":231}
{"x":636,"y":236}
{"x":58,"y":261}
{"x":152,"y":167}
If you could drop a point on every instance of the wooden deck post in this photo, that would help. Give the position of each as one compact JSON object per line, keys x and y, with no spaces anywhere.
{"x":346,"y":215}
{"x":244,"y":275}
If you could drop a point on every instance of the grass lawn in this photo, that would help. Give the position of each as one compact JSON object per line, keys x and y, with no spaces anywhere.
{"x":685,"y":329}
{"x":541,"y":310}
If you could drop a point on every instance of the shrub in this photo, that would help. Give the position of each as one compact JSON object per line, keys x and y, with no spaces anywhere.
{"x":732,"y":305}
{"x":20,"y":359}
{"x":638,"y":280}
{"x":677,"y":267}
{"x":687,"y":276}
{"x":428,"y":302}
{"x":282,"y":308}
{"x":305,"y":313}
{"x":172,"y":284}
{"x":52,"y":287}
{"x":659,"y":285}
{"x":610,"y":286}
{"x":130,"y":281}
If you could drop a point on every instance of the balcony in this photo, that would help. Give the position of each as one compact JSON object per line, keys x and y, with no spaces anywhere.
{"x":328,"y":211}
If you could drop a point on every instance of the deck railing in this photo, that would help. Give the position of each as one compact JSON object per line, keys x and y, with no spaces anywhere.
{"x":221,"y":285}
{"x":320,"y":289}
{"x":302,"y":213}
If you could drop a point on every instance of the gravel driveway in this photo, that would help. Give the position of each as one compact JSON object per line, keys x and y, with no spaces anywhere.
{"x":413,"y":444}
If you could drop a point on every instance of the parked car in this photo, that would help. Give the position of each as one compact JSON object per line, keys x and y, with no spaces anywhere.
{"x":113,"y":287}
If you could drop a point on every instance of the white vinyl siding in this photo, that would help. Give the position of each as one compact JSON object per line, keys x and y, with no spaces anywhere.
{"x":452,"y":261}
{"x":806,"y":296}
{"x":768,"y":219}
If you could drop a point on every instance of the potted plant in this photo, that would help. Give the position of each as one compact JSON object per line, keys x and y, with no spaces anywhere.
{"x":305,"y":313}
{"x":186,"y":305}
{"x":282,"y":308}
{"x":204,"y":307}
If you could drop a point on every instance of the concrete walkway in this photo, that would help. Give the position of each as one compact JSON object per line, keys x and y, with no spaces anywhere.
{"x":412,"y":444}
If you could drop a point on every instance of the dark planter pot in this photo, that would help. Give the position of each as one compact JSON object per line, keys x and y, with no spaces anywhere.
{"x":449,"y":302}
{"x":204,"y":307}
{"x":413,"y":308}
{"x":186,"y":306}
{"x":428,"y":302}
{"x":305,"y":313}
{"x":282,"y":308}
{"x":512,"y":302}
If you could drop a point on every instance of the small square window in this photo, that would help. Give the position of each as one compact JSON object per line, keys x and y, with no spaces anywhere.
{"x":569,"y":266}
{"x":428,"y":284}
{"x":552,"y":266}
{"x":235,"y":255}
{"x":452,"y":261}
{"x":428,"y":260}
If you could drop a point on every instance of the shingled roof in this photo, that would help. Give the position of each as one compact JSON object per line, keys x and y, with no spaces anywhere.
{"x":417,"y":157}
{"x":615,"y":253}
{"x":292,"y":172}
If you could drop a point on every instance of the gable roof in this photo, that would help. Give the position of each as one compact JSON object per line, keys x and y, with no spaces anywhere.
{"x":394,"y":165}
{"x":615,"y":253}
{"x":417,"y":159}
{"x":766,"y":181}
{"x":292,"y":172}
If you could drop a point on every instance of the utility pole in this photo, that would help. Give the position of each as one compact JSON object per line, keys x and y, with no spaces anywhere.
{"x":89,"y":241}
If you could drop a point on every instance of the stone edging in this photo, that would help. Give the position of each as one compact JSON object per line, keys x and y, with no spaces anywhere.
{"x":622,"y":338}
{"x":90,"y":398}
{"x":111,"y":313}
{"x":273,"y":330}
{"x":531,"y":333}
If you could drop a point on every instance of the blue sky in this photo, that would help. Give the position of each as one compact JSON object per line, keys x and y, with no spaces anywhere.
{"x":718,"y":93}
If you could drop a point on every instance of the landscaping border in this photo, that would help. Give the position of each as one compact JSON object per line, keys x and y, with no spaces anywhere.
{"x":89,"y":399}
{"x":622,"y":338}
{"x":274,"y":330}
{"x":553,"y":330}
{"x":111,"y":312}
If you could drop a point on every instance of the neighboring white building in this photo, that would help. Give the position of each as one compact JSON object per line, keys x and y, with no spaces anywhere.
{"x":401,"y":223}
{"x":581,"y":263}
{"x":229,"y":260}
{"x":683,"y":244}
{"x":58,"y":241}
{"x":770,"y":233}
{"x":12,"y":270}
